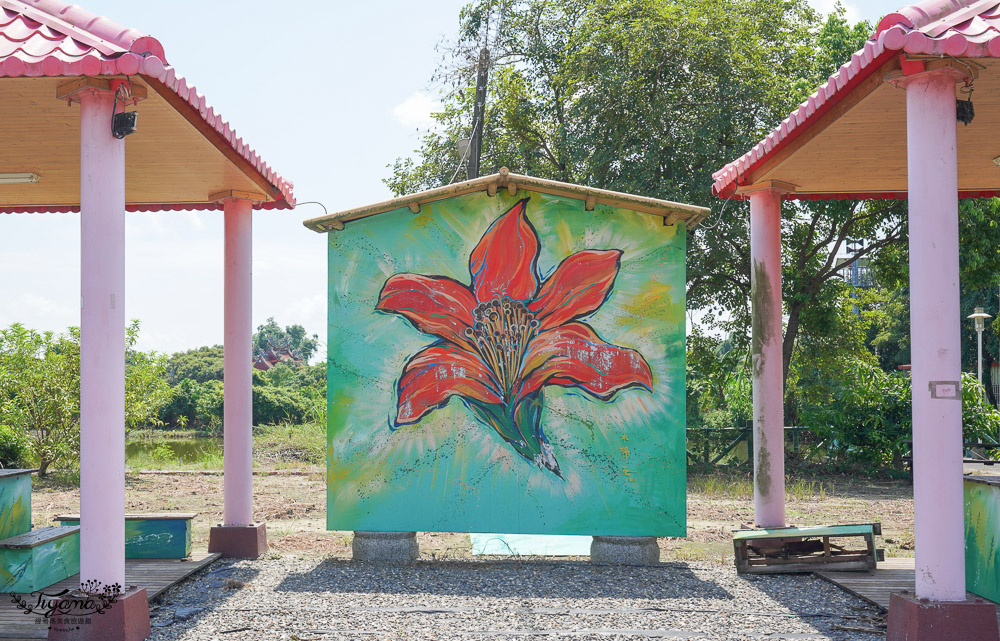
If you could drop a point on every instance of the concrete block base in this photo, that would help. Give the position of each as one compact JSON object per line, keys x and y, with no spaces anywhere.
{"x":624,"y":550}
{"x":238,"y":541}
{"x":385,"y":547}
{"x":913,"y":619}
{"x":126,"y":620}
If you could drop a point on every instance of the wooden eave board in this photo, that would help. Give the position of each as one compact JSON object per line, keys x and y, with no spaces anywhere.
{"x":864,"y":149}
{"x":589,"y":197}
{"x":167,"y":160}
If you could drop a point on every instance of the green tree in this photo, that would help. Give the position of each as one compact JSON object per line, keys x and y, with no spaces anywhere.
{"x":40,"y":389}
{"x":200,"y":365}
{"x":651,"y":97}
{"x":146,"y":386}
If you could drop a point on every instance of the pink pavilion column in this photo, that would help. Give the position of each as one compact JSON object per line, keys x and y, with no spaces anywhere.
{"x":238,"y":535}
{"x":768,"y":395}
{"x":939,"y":609}
{"x":102,"y":378}
{"x":935,"y":336}
{"x":102,"y":343}
{"x":238,"y":373}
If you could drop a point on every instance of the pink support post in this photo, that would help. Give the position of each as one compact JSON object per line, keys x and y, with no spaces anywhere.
{"x":934,"y":330}
{"x":768,"y":396}
{"x":238,"y":410}
{"x":102,"y":343}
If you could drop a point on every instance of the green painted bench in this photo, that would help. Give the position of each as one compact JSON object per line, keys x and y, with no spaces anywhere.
{"x":15,"y":502}
{"x":164,"y":535}
{"x":37,"y":559}
{"x":805,"y":549}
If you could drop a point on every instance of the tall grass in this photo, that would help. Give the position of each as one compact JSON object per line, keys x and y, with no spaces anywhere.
{"x":741,"y":488}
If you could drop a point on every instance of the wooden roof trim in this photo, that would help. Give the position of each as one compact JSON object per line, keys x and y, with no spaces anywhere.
{"x":802,"y":136}
{"x":670,"y":211}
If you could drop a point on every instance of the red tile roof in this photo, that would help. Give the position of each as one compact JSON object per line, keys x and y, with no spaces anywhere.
{"x":53,"y":38}
{"x":941,"y":27}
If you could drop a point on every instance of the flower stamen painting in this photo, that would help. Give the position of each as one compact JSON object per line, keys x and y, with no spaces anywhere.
{"x":508,"y":334}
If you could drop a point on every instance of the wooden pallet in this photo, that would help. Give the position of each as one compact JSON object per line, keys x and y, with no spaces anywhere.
{"x":790,"y":550}
{"x":156,"y":575}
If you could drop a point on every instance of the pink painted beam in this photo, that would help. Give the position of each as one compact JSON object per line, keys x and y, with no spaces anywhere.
{"x":102,"y":343}
{"x":238,"y":409}
{"x":768,"y":395}
{"x":934,"y":335}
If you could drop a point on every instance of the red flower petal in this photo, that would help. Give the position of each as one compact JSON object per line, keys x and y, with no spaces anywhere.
{"x":579,"y":286}
{"x":435,"y":374}
{"x":434,"y":304}
{"x":504,"y":261}
{"x":573,"y":355}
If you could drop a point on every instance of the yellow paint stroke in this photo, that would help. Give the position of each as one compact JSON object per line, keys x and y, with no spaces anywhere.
{"x":656,"y":302}
{"x":565,"y":236}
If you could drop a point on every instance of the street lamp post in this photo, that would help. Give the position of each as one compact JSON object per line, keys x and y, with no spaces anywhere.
{"x":979,"y":316}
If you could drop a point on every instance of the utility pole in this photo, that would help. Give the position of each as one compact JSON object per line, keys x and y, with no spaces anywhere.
{"x":478,"y":113}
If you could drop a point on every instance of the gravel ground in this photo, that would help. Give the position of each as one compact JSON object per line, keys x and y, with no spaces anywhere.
{"x":299,"y":599}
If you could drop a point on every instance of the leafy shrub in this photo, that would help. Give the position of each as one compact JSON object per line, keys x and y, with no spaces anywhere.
{"x":15,"y":448}
{"x":195,"y":405}
{"x":273,"y":405}
{"x":869,"y":419}
{"x":163,"y":453}
{"x":980,"y":420}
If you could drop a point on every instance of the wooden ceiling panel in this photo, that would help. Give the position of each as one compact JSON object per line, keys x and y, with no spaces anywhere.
{"x":864,"y":150}
{"x":166,"y":161}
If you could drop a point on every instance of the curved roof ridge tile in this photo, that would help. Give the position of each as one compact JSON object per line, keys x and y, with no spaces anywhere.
{"x":923,"y":13}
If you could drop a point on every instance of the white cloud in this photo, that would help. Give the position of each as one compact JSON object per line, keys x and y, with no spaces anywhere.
{"x":416,"y":111}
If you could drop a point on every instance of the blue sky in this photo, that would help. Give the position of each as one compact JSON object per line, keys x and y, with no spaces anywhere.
{"x":328,"y":93}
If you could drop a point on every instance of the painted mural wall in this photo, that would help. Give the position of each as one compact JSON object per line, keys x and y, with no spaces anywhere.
{"x":982,"y":537}
{"x":507,"y":364}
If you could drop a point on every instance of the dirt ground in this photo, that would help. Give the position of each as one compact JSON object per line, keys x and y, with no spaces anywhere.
{"x":293,"y":504}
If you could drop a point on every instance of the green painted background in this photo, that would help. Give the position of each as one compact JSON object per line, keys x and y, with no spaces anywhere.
{"x":982,"y":537}
{"x":153,"y":538}
{"x":449,"y":472}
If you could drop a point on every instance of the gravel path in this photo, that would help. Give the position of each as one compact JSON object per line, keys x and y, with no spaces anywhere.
{"x":293,"y":599}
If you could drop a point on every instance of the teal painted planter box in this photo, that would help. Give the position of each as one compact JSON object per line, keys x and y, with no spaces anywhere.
{"x":152,"y":536}
{"x":39,"y":558}
{"x":982,"y":536}
{"x":15,"y":502}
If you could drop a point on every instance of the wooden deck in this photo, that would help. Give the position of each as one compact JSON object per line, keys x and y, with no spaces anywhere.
{"x":875,"y":586}
{"x":156,"y":575}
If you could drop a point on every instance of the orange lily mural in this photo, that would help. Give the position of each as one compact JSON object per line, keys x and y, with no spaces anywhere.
{"x":505,"y":337}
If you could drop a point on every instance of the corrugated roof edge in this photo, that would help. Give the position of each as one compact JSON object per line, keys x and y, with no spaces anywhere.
{"x":671,"y":212}
{"x":899,"y":32}
{"x":146,"y":58}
